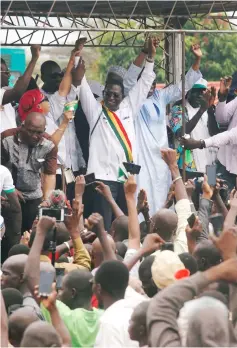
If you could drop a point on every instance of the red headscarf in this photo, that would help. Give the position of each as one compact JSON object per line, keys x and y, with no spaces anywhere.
{"x":30,"y":102}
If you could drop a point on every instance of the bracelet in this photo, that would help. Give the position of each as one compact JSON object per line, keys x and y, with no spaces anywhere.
{"x":60,"y":129}
{"x":176,"y":179}
{"x":150,"y":60}
{"x":67,"y":245}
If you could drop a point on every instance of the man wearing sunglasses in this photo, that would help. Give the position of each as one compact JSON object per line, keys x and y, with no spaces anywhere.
{"x":9,"y":95}
{"x":112,"y":134}
{"x":52,"y":75}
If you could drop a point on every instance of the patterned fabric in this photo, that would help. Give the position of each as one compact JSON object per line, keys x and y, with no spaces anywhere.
{"x":26,"y":163}
{"x":175,"y":125}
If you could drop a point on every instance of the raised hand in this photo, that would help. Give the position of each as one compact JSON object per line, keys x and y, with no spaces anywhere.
{"x":79,"y":44}
{"x":80,"y":70}
{"x":169,"y":156}
{"x":130,"y":186}
{"x":225,"y":83}
{"x":227,"y":243}
{"x":196,"y":50}
{"x":104,"y":190}
{"x":72,"y":221}
{"x":45,"y":224}
{"x":35,"y":51}
{"x":80,"y":185}
{"x":233,"y":199}
{"x":207,"y":189}
{"x":97,"y":221}
{"x":213,"y":95}
{"x":68,"y":116}
{"x":190,"y":187}
{"x":48,"y":302}
{"x":142,"y":201}
{"x":194,"y":232}
{"x":206,"y":100}
{"x":152,"y":242}
{"x":153,"y":43}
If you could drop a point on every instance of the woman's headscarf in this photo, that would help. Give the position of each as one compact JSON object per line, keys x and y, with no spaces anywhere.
{"x":30,"y":102}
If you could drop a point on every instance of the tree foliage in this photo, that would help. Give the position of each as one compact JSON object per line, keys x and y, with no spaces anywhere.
{"x":219,"y":53}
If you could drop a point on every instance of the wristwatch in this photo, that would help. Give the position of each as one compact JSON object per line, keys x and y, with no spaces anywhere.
{"x":202,"y":144}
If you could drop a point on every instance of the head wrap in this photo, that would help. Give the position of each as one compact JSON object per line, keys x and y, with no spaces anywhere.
{"x":30,"y":102}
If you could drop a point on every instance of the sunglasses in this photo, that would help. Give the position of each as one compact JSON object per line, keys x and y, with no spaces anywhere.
{"x":112,"y":94}
{"x":56,"y":75}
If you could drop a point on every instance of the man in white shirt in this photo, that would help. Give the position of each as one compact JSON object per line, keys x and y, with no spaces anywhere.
{"x":11,"y":211}
{"x":9,"y":95}
{"x":226,"y":113}
{"x":110,"y":284}
{"x":112,"y":134}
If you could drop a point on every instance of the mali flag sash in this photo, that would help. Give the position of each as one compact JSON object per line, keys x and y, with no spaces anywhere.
{"x":119,"y":131}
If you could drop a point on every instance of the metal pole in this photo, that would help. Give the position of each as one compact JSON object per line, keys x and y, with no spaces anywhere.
{"x":111,"y":30}
{"x":183,"y":100}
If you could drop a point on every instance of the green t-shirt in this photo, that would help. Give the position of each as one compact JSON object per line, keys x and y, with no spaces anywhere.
{"x":82,"y":325}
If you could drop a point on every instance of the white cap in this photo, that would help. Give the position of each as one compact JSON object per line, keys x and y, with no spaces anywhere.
{"x":201,"y":83}
{"x":164,"y":268}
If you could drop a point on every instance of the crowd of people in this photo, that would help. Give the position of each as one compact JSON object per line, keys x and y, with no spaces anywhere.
{"x":103,"y":244}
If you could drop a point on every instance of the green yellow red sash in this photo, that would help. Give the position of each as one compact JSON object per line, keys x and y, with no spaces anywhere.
{"x":119,"y":131}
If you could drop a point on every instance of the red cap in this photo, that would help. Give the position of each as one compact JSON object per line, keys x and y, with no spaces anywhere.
{"x":182,"y":273}
{"x":30,"y":102}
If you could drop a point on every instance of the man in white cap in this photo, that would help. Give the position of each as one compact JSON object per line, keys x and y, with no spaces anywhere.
{"x":198,"y":101}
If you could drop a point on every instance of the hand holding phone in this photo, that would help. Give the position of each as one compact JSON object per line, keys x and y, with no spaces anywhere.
{"x":217,"y":221}
{"x":191,"y":220}
{"x":46,"y":281}
{"x":211,"y":174}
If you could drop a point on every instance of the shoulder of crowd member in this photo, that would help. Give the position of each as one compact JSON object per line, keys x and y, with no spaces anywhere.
{"x":10,"y":132}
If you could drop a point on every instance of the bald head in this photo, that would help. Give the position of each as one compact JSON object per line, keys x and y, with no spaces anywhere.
{"x":18,"y":322}
{"x":35,"y":119}
{"x":119,"y":228}
{"x":165,"y":223}
{"x":33,"y":129}
{"x":41,"y":334}
{"x":12,"y":271}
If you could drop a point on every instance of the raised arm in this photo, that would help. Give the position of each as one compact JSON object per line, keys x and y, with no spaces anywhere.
{"x":90,"y":106}
{"x":50,"y":304}
{"x":49,"y":172}
{"x":32,"y":267}
{"x":231,"y":216}
{"x":165,"y":306}
{"x":182,"y":206}
{"x":174,"y":92}
{"x":22,"y":83}
{"x":105,"y":191}
{"x":59,"y":132}
{"x":131,"y":76}
{"x":138,"y":94}
{"x":81,"y":256}
{"x":152,"y":242}
{"x":224,"y":112}
{"x":134,"y":237}
{"x":96,"y":220}
{"x":205,"y":206}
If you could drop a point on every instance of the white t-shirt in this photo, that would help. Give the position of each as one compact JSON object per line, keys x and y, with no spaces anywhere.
{"x":7,"y":114}
{"x":6,"y":184}
{"x":6,"y":181}
{"x":114,"y":323}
